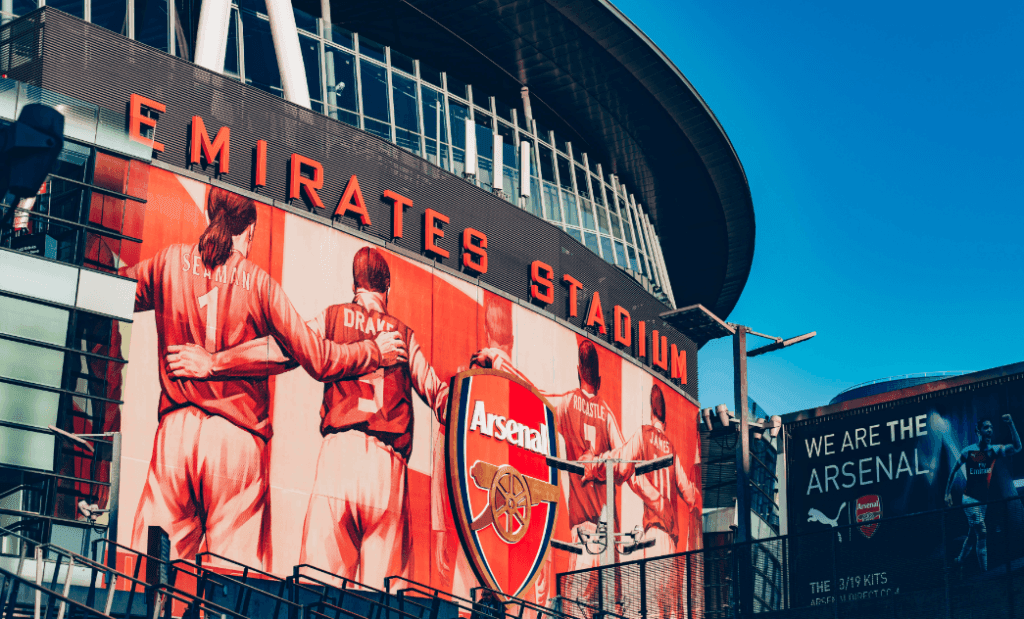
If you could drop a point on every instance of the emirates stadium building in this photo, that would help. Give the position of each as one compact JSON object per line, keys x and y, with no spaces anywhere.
{"x":463,"y":220}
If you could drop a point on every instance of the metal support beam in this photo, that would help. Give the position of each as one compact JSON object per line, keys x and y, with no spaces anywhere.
{"x":288,"y":52}
{"x":212,"y":36}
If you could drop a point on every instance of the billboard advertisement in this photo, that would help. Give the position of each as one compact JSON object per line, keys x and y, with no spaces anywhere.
{"x":298,"y":394}
{"x":853,"y":475}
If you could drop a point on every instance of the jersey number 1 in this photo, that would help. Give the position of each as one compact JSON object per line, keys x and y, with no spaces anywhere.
{"x":209,"y":301}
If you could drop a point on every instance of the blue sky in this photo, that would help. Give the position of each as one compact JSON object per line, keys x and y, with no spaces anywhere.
{"x":884,"y":146}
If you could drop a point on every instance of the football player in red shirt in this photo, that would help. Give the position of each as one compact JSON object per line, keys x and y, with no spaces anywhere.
{"x":658,"y":491}
{"x":207,"y":480}
{"x":357,"y":523}
{"x":980,"y":459}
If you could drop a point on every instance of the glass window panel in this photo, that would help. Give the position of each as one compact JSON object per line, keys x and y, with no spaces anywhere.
{"x":509,"y":151}
{"x":552,"y":212}
{"x":73,"y":161}
{"x":577,"y":156}
{"x":484,"y":171}
{"x":547,"y":166}
{"x":433,"y":114}
{"x":260,"y":6}
{"x":371,"y":49}
{"x":111,"y":14}
{"x":31,"y":364}
{"x":543,"y":131}
{"x":633,"y":264}
{"x":533,"y":203}
{"x":339,"y":36}
{"x":616,"y":226}
{"x":402,"y":62}
{"x":592,"y":162}
{"x":606,"y":249}
{"x":481,"y":99}
{"x":430,"y":75}
{"x":73,"y":7}
{"x":304,"y":21}
{"x":379,"y":129}
{"x":602,"y":219}
{"x":444,"y":159}
{"x":21,"y":7}
{"x":620,"y":255}
{"x":581,"y":182}
{"x":459,"y":115}
{"x":408,"y":140}
{"x":574,"y":233}
{"x":32,"y":407}
{"x":231,"y":57}
{"x":511,"y":178}
{"x":341,"y":79}
{"x":564,"y":173}
{"x":456,"y":86}
{"x":560,"y":143}
{"x":311,"y":61}
{"x":375,"y":91}
{"x":260,"y":61}
{"x":33,"y":321}
{"x":569,"y":202}
{"x":404,"y":94}
{"x":152,"y":24}
{"x":431,"y":150}
{"x":503,"y":109}
{"x":27,"y":448}
{"x":484,"y":136}
{"x":587,"y":208}
{"x":349,"y":118}
{"x":458,"y":161}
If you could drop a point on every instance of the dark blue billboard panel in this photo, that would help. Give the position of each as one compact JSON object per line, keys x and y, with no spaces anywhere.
{"x":855,"y":475}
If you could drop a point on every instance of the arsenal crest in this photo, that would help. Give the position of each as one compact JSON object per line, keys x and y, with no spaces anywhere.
{"x":504,"y":496}
{"x":868,"y":508}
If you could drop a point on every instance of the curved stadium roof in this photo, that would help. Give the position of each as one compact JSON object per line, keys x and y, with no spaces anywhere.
{"x":604,"y":84}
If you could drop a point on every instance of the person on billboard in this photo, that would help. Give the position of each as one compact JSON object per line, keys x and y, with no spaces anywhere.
{"x":658,"y":491}
{"x":980,"y":459}
{"x":357,"y":523}
{"x":207,"y":482}
{"x":588,"y":426}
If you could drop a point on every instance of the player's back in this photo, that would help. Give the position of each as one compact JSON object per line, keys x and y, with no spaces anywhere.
{"x":380,"y":403}
{"x":661,"y":511}
{"x":583,"y":422}
{"x":215,"y":309}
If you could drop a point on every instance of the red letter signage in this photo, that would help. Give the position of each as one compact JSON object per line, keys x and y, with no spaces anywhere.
{"x":595,"y":315}
{"x":659,"y":350}
{"x":474,"y":255}
{"x":137,"y":120}
{"x":400,"y":204}
{"x":261,"y":163}
{"x":201,"y":145}
{"x":352,"y":202}
{"x":623,"y":329}
{"x":678,"y":364}
{"x":432,"y":231}
{"x":542,"y":289}
{"x":574,"y":285}
{"x":300,"y":183}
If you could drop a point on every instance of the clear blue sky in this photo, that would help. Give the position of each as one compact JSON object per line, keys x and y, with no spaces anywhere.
{"x":884,"y":146}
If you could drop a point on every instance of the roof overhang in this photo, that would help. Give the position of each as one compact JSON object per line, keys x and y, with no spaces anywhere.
{"x":622,"y":100}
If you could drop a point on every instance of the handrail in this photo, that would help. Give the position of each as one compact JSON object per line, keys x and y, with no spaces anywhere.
{"x":344,"y":590}
{"x":77,"y":608}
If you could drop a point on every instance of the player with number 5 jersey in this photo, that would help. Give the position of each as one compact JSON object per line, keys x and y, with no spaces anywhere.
{"x":207,"y":481}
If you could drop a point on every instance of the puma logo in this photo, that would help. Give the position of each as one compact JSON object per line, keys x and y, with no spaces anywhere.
{"x":815,"y":515}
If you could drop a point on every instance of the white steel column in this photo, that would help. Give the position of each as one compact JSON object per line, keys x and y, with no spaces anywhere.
{"x":289,"y":55}
{"x":470,"y":147}
{"x":524,"y":171}
{"x":498,"y":180}
{"x":212,"y":37}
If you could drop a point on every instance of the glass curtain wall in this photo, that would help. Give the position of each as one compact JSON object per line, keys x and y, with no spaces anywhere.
{"x":402,"y":100}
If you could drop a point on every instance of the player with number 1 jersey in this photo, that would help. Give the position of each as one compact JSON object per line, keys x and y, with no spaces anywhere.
{"x":207,"y":479}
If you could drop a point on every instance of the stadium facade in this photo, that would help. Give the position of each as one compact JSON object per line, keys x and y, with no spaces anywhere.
{"x":518,"y":190}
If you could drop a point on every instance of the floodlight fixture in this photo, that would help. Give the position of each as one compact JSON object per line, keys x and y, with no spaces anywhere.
{"x":779,"y":343}
{"x":723,"y":415}
{"x":775,"y":425}
{"x":637,"y":546}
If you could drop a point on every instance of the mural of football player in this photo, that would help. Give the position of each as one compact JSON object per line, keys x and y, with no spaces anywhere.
{"x":588,"y":426}
{"x":980,"y":459}
{"x":207,"y":480}
{"x":658,"y":491}
{"x":357,"y":523}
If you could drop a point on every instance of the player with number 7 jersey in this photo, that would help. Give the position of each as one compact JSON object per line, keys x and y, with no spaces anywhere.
{"x":207,"y":480}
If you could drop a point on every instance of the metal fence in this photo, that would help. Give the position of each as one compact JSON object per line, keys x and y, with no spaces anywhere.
{"x":925,"y":565}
